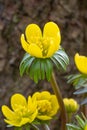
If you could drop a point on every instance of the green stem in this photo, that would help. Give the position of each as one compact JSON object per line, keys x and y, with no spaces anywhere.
{"x":69,"y":116}
{"x":57,"y":92}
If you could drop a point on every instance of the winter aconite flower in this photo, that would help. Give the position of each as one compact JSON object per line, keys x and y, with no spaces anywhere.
{"x":81,"y":63}
{"x":46,"y":104}
{"x":22,"y":111}
{"x":41,"y":44}
{"x":42,"y":51}
{"x":71,"y":105}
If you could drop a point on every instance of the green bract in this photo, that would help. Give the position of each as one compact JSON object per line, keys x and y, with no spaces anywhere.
{"x":79,"y":81}
{"x":39,"y":68}
{"x":81,"y":124}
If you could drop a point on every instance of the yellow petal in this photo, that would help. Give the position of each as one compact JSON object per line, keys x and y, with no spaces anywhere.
{"x":25,"y":45}
{"x":33,"y":33}
{"x":52,"y":49}
{"x":17,"y":123}
{"x":74,"y":105}
{"x":81,"y":63}
{"x":51,"y":30}
{"x":34,"y":50}
{"x":41,"y":95}
{"x":18,"y":100}
{"x":52,"y":33}
{"x":36,"y":96}
{"x":54,"y":104}
{"x":13,"y":122}
{"x":45,"y":95}
{"x":8,"y":113}
{"x":24,"y":121}
{"x":32,"y":105}
{"x":44,"y":117}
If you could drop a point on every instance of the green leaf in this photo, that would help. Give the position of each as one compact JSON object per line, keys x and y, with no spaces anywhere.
{"x":36,"y":68}
{"x":27,"y":127}
{"x":60,"y":62}
{"x":60,"y":59}
{"x":35,"y":127}
{"x":78,"y":80}
{"x":26,"y":56}
{"x":32,"y":71}
{"x":24,"y":66}
{"x":81,"y":91}
{"x":48,"y":69}
{"x":42,"y":67}
{"x":84,"y":101}
{"x":74,"y":127}
{"x":80,"y":121}
{"x":37,"y":73}
{"x":73,"y":77}
{"x":61,"y":53}
{"x":9,"y":125}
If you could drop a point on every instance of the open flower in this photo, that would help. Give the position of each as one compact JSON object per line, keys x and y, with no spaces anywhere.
{"x":22,"y":111}
{"x":42,"y":51}
{"x":41,"y":45}
{"x":81,"y":63}
{"x":71,"y":105}
{"x":47,"y":105}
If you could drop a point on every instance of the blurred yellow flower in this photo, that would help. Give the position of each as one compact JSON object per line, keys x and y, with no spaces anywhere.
{"x":71,"y":105}
{"x":41,"y":45}
{"x":47,"y":105}
{"x":22,"y":111}
{"x":81,"y":63}
{"x":85,"y":127}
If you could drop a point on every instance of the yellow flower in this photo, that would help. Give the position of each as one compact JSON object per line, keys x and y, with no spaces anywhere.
{"x":46,"y":104}
{"x":71,"y":105}
{"x":81,"y":63}
{"x":41,"y":45}
{"x":22,"y":111}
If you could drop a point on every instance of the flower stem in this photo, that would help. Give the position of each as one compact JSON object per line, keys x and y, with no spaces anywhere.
{"x":57,"y":92}
{"x":69,"y":116}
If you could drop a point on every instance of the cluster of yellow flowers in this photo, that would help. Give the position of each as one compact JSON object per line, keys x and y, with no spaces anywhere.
{"x":42,"y":106}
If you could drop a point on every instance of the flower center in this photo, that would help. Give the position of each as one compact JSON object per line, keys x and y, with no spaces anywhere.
{"x":22,"y":111}
{"x":42,"y":43}
{"x":44,"y":106}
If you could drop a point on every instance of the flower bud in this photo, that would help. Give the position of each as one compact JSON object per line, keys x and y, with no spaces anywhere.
{"x":71,"y":105}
